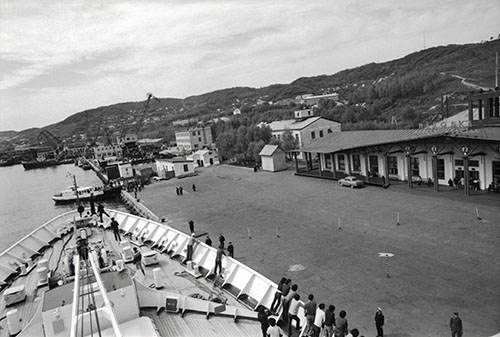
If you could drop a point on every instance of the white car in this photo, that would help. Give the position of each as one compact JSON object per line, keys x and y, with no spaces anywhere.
{"x":351,"y":182}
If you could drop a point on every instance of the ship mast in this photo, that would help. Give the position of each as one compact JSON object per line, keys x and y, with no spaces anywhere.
{"x":78,"y":204}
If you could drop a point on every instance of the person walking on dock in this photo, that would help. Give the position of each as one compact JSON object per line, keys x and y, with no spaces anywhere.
{"x":101,"y":211}
{"x":180,"y":190}
{"x":177,"y":190}
{"x":194,"y":188}
{"x":116,"y":229}
{"x":456,"y":325}
{"x":379,"y":322}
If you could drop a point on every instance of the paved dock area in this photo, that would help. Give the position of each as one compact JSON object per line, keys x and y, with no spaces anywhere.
{"x":446,"y":258}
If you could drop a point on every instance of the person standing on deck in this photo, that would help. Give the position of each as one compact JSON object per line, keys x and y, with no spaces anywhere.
{"x":208,"y":241}
{"x":222,"y":239}
{"x":329,"y":320}
{"x":101,"y":211}
{"x":230,"y":249}
{"x":310,"y":311}
{"x":295,"y":304}
{"x":277,"y":295}
{"x":92,"y":204}
{"x":341,"y":326}
{"x":286,"y":301}
{"x":319,"y":320}
{"x":138,"y":260}
{"x":116,"y":229}
{"x":218,"y":259}
{"x":263,"y":316}
{"x":190,"y":246}
{"x":191,"y":226}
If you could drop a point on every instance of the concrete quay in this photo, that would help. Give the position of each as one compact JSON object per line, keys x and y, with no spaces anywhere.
{"x":445,"y":257}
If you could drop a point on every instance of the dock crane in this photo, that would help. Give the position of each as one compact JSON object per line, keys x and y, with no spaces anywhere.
{"x":130,"y":147}
{"x":48,"y":137}
{"x":140,"y":115}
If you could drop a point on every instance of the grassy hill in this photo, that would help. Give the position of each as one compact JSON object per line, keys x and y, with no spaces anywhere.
{"x":424,"y":86}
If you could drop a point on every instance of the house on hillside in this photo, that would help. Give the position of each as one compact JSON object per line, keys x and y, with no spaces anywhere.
{"x":194,"y":138}
{"x":205,"y":157}
{"x":273,"y":158}
{"x":175,"y":167}
{"x":305,"y":130}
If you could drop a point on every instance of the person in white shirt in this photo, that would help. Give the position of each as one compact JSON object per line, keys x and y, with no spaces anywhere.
{"x":273,"y":330}
{"x":293,"y":311}
{"x":319,"y":320}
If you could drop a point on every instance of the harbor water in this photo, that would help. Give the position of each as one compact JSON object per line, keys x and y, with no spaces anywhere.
{"x":26,"y":197}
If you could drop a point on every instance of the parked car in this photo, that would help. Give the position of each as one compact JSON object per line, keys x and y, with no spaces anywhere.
{"x":351,"y":182}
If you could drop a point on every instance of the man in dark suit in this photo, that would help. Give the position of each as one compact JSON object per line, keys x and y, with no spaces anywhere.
{"x":456,"y":325}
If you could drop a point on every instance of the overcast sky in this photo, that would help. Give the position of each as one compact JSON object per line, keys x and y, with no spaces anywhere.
{"x":61,"y":57}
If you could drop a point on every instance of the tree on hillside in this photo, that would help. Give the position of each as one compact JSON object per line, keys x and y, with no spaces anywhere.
{"x":289,"y":142}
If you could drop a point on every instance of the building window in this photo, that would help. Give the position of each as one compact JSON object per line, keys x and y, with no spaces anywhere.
{"x":313,"y":135}
{"x":328,"y":161}
{"x":373,"y":164}
{"x":320,"y":133}
{"x":414,"y":167}
{"x":199,"y":139}
{"x":186,"y":168}
{"x":194,"y":133}
{"x":341,"y":160}
{"x":329,"y":130}
{"x":459,"y":162}
{"x":392,"y":163}
{"x":199,"y":133}
{"x":356,"y":163}
{"x":474,"y":163}
{"x":297,"y":137}
{"x":440,"y":168}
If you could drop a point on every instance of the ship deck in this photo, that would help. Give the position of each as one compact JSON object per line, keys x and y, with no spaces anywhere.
{"x":191,"y":323}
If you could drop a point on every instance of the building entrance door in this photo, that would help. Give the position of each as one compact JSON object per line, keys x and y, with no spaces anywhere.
{"x":496,"y":173}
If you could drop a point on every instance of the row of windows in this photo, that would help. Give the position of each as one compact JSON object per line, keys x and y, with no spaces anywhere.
{"x":321,"y":134}
{"x":392,"y":163}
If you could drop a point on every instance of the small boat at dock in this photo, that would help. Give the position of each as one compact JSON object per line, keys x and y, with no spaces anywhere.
{"x":84,"y":193}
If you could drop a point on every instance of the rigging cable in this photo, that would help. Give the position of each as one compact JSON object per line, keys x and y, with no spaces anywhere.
{"x":94,"y":307}
{"x":89,"y":305}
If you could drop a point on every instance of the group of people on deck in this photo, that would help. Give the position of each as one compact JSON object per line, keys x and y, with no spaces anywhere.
{"x":321,"y":321}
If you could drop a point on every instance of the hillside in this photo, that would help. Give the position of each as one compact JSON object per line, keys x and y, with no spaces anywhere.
{"x":423,"y":86}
